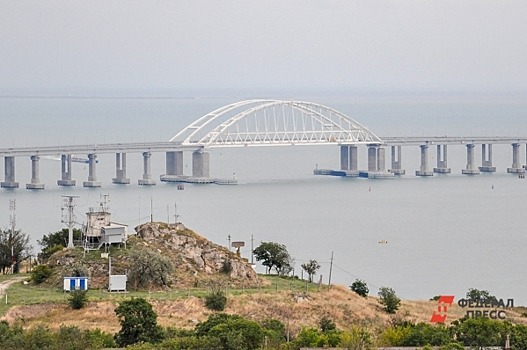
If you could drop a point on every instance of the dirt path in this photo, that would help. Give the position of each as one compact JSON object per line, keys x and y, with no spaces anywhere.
{"x":5,"y":284}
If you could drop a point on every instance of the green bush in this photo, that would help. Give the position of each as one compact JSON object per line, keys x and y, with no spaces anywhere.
{"x":41,"y":273}
{"x":138,"y":323}
{"x":360,"y":287}
{"x":78,"y":299}
{"x":388,"y":298}
{"x":216,"y":300}
{"x":226,"y":267}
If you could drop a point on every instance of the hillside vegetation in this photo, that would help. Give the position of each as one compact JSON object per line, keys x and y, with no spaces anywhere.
{"x":199,"y":264}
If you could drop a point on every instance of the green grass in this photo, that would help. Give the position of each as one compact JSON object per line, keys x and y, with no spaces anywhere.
{"x":28,"y":294}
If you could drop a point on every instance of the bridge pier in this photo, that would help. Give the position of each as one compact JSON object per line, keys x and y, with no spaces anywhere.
{"x":9,"y":171}
{"x":471,"y":166}
{"x":354,"y":159}
{"x":35,"y":177}
{"x":66,"y":171}
{"x":516,"y":167}
{"x":424,"y":170}
{"x":200,"y":164}
{"x":344,"y":158}
{"x":173,"y":167}
{"x":174,"y":163}
{"x":120,"y":169}
{"x":442,"y":158}
{"x":348,"y":160}
{"x":376,"y":163}
{"x":92,"y":172}
{"x":486,"y":159}
{"x":147,"y":173}
{"x":396,"y":161}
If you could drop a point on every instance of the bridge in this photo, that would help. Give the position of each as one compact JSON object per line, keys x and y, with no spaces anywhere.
{"x":263,"y":123}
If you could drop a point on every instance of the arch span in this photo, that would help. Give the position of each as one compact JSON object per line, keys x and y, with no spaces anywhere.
{"x":274,"y":122}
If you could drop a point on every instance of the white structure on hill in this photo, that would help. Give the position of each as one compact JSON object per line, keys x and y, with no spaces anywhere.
{"x":99,"y":230}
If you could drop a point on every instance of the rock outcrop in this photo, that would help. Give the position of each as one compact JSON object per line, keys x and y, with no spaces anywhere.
{"x":197,"y":261}
{"x":195,"y":255}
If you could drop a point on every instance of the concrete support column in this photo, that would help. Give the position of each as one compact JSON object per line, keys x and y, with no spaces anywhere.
{"x":423,"y":170}
{"x":486,"y":159}
{"x":35,"y":177}
{"x":174,"y":163}
{"x":516,"y":167}
{"x":353,"y":161}
{"x":92,"y":172}
{"x":200,"y":164}
{"x":396,"y":161}
{"x":66,"y":171}
{"x":344,"y":157}
{"x":120,"y":169}
{"x":471,"y":166}
{"x":174,"y":167}
{"x":9,"y":172}
{"x":372,"y":158}
{"x":442,"y":160}
{"x":147,"y":173}
{"x":381,"y":159}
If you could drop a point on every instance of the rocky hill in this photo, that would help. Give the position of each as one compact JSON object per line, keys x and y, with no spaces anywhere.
{"x":196,"y":260}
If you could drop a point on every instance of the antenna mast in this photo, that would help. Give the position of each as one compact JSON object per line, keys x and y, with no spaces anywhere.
{"x":69,"y":217}
{"x":12,"y":216}
{"x":12,"y":220}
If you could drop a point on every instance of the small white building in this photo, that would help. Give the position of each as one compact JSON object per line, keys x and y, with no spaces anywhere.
{"x":114,"y":233}
{"x":117,"y":283}
{"x":100,"y":230}
{"x":75,"y":283}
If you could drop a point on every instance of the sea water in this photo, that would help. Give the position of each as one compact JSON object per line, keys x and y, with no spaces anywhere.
{"x":420,"y":236}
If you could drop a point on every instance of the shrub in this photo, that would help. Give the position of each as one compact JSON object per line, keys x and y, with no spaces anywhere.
{"x":326,"y":324}
{"x":138,"y":323}
{"x":388,"y":298}
{"x":41,"y":273}
{"x":78,"y":270}
{"x":216,"y":300}
{"x":226,"y":267}
{"x":78,"y":299}
{"x":360,"y":287}
{"x":150,"y":268}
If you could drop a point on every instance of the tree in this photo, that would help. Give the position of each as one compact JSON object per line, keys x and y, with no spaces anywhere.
{"x":388,"y":298}
{"x":41,"y":273}
{"x":274,"y":255}
{"x":138,"y":323}
{"x":78,"y":299}
{"x":311,"y":268}
{"x":14,"y":248}
{"x":360,"y":287}
{"x":55,"y":241}
{"x":149,"y":267}
{"x":233,"y":331}
{"x":480,"y":295}
{"x":480,"y":332}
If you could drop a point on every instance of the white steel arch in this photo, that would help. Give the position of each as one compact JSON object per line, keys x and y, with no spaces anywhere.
{"x":274,"y":122}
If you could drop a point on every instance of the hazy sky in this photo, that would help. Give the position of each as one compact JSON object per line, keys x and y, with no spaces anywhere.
{"x":374,"y":44}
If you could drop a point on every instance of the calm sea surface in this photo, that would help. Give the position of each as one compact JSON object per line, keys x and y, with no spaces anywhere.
{"x":445,"y":234}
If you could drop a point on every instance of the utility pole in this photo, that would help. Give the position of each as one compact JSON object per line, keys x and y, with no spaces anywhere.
{"x":252,"y":250}
{"x":151,"y":209}
{"x":175,"y":213}
{"x":69,"y":218}
{"x":330,"y":269}
{"x":12,"y":220}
